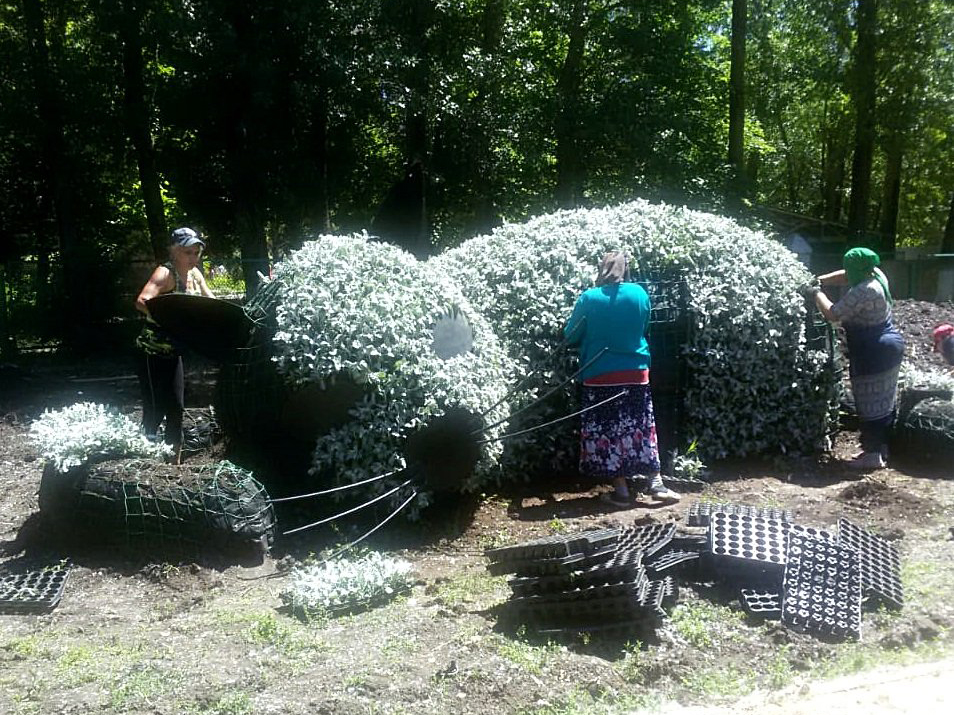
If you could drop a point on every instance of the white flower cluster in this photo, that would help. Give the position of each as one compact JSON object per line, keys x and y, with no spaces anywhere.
{"x":914,"y":378}
{"x":756,"y":384}
{"x":365,"y":311}
{"x":335,"y":585}
{"x":76,"y":434}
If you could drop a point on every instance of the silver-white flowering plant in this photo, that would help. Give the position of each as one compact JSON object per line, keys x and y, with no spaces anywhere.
{"x":756,"y":383}
{"x":912,"y":377}
{"x":364,"y":311}
{"x":323,"y":588}
{"x":89,"y":431}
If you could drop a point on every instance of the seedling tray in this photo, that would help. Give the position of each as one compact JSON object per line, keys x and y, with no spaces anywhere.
{"x":700,"y":512}
{"x":879,"y":562}
{"x":557,"y":546}
{"x":33,"y":591}
{"x":765,"y":604}
{"x":821,"y":591}
{"x":684,"y":484}
{"x":672,"y":559}
{"x":648,"y":539}
{"x":741,"y":540}
{"x":625,"y":566}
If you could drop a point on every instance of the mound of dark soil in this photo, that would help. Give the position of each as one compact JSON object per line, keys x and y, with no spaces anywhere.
{"x":916,"y":319}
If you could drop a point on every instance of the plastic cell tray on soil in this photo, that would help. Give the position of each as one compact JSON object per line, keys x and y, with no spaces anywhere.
{"x":879,"y":562}
{"x":32,"y":592}
{"x":556,"y":546}
{"x":672,"y":559}
{"x":555,"y":566}
{"x":812,"y":533}
{"x":542,"y":612}
{"x":765,"y":604}
{"x":648,"y":539}
{"x":821,"y":591}
{"x":747,"y":544}
{"x":658,"y":594}
{"x":588,"y":593}
{"x":625,"y":566}
{"x":700,"y":512}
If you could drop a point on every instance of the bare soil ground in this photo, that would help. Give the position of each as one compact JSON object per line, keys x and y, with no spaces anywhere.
{"x":144,"y":635}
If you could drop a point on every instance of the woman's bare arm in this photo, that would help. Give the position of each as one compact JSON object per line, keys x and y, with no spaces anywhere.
{"x":824,"y":305}
{"x":835,"y":278}
{"x":161,"y":281}
{"x":200,"y":281}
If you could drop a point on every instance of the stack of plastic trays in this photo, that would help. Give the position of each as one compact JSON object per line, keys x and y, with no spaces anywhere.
{"x":32,"y":592}
{"x":648,"y":539}
{"x":623,"y":566}
{"x":821,"y":591}
{"x":699,"y":513}
{"x":555,"y":555}
{"x":748,"y":548}
{"x":879,"y":562}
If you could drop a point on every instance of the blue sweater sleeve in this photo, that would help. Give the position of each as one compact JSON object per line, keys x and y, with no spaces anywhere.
{"x":575,"y":329}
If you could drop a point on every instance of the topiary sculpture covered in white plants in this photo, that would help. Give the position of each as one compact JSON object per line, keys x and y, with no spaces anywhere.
{"x":424,"y":370}
{"x":755,"y":384}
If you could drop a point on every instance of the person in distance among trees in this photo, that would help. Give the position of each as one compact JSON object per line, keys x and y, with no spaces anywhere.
{"x":160,"y":359}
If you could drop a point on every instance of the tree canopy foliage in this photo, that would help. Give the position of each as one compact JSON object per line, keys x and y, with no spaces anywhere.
{"x":429,"y":121}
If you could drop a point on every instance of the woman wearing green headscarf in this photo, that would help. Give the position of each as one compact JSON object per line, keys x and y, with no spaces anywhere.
{"x":875,"y":348}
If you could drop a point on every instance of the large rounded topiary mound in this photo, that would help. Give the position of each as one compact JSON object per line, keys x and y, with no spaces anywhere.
{"x":755,"y":384}
{"x":422,"y":367}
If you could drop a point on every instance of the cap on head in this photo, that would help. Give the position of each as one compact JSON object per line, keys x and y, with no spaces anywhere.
{"x":941,"y":332}
{"x":186,"y":237}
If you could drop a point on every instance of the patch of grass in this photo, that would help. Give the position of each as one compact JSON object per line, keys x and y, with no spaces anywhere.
{"x":581,"y":702}
{"x":25,"y":647}
{"x":926,"y":581}
{"x":727,"y":683}
{"x":853,"y":658}
{"x":268,"y":629}
{"x":528,"y":656}
{"x":701,"y":624}
{"x":139,"y":686}
{"x":632,"y":666}
{"x":471,"y":587}
{"x":780,"y":672}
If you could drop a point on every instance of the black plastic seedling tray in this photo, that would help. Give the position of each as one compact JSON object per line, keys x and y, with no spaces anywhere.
{"x":764,"y":604}
{"x":879,"y":562}
{"x":699,"y":513}
{"x":672,"y":559}
{"x":648,"y":539}
{"x":821,"y":591}
{"x":684,"y":484}
{"x":625,"y":566}
{"x":560,"y":545}
{"x":749,"y":542}
{"x":33,"y":591}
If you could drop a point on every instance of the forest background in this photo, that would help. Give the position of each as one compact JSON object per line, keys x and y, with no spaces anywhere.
{"x":264,"y":122}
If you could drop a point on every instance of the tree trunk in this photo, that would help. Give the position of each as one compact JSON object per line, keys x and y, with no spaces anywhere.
{"x":74,"y":312}
{"x":569,"y":182}
{"x":864,"y":97}
{"x":737,"y":99}
{"x":248,"y":191}
{"x":947,"y":245}
{"x":8,"y":345}
{"x":321,"y":215}
{"x":833,"y":177}
{"x":138,"y":126}
{"x":891,"y":195}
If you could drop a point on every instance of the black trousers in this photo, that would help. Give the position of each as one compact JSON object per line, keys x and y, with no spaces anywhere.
{"x":163,"y":396}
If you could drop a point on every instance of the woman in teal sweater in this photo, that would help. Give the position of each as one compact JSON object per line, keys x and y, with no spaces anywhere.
{"x":617,"y":438}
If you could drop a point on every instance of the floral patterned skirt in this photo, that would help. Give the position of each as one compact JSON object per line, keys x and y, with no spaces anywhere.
{"x":618,"y":439}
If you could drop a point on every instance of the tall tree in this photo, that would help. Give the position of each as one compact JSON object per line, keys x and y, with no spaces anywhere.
{"x":864,"y":98}
{"x":737,"y":95}
{"x":569,"y":161}
{"x":138,"y":121}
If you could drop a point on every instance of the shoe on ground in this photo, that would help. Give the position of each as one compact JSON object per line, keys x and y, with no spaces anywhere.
{"x":617,"y":500}
{"x":867,"y":462}
{"x":660,"y":491}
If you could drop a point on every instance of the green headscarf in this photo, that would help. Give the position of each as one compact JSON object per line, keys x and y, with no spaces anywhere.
{"x":860,"y":265}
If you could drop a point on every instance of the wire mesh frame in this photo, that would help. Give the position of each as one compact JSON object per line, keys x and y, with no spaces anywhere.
{"x":162,"y":516}
{"x":820,"y":336}
{"x":669,"y":333}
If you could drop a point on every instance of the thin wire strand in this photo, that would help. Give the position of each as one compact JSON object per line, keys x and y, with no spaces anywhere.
{"x":553,"y":422}
{"x":349,"y":511}
{"x":386,"y":519}
{"x":543,"y":397}
{"x":520,"y":385}
{"x":335,"y":489}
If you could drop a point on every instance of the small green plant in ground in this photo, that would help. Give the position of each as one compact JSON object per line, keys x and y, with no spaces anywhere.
{"x":689,"y":464}
{"x":471,"y":586}
{"x":697,"y":622}
{"x":557,"y":525}
{"x":139,"y":686}
{"x":727,"y":683}
{"x":581,"y":702}
{"x":24,"y":647}
{"x":528,"y":656}
{"x":857,"y":657}
{"x":236,"y":703}
{"x":271,"y":630}
{"x":780,"y":672}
